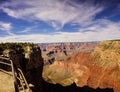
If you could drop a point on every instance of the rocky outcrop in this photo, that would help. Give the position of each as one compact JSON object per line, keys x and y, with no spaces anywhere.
{"x":34,"y":68}
{"x":28,"y":57}
{"x":66,"y":73}
{"x":99,"y":69}
{"x":74,"y":69}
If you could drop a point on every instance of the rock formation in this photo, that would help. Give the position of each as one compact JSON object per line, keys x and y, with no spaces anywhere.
{"x":99,"y":69}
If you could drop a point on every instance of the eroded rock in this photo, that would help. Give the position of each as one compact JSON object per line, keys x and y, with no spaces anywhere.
{"x":99,"y":69}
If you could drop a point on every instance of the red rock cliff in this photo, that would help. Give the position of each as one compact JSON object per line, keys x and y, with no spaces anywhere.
{"x":100,"y":69}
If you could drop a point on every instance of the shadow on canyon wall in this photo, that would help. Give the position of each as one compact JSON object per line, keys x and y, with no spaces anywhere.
{"x":47,"y":87}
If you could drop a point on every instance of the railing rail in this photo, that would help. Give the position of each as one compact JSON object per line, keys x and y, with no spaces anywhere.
{"x":1,"y":70}
{"x":5,"y":63}
{"x":23,"y":80}
{"x":5,"y":58}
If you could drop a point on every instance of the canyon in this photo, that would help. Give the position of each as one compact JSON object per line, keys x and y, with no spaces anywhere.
{"x":85,"y":67}
{"x":60,"y":51}
{"x":96,"y":69}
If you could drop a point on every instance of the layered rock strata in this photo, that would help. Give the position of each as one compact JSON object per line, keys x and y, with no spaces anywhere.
{"x":99,"y":69}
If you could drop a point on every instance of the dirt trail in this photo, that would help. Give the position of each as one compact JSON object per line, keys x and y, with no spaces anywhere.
{"x":6,"y":82}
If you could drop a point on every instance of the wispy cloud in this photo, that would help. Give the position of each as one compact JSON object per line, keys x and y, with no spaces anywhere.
{"x":106,"y":30}
{"x":28,"y":29}
{"x":56,"y":13}
{"x":6,"y":27}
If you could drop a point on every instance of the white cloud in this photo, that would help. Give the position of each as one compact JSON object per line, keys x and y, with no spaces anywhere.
{"x":28,"y":29}
{"x":6,"y":27}
{"x":54,"y":12}
{"x":57,"y":13}
{"x":99,"y":30}
{"x":102,"y":30}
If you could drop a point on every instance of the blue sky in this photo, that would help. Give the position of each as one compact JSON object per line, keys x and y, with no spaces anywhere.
{"x":42,"y":21}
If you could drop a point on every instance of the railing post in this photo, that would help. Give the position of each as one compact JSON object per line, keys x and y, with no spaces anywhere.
{"x":15,"y":81}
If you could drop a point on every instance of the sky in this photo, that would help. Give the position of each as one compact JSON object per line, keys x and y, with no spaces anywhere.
{"x":46,"y":21}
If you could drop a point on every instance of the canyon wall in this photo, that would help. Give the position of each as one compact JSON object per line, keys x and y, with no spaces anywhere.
{"x":60,"y":51}
{"x":99,"y":69}
{"x":89,"y":70}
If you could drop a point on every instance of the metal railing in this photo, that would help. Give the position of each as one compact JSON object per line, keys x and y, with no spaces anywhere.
{"x":22,"y":85}
{"x":13,"y":72}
